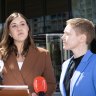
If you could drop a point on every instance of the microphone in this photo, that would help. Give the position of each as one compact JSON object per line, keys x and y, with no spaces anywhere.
{"x":40,"y":85}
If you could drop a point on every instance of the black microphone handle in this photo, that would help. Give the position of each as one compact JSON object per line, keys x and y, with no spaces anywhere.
{"x":41,"y":94}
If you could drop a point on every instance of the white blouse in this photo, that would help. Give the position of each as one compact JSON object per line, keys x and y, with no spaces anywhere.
{"x":20,"y":65}
{"x":2,"y":65}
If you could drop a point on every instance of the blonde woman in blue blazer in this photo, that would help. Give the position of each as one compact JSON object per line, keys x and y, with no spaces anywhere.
{"x":78,"y":35}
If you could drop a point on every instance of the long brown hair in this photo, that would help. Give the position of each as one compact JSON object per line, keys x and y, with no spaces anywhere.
{"x":7,"y":43}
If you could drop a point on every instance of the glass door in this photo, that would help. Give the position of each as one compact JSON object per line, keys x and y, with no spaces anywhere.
{"x":54,"y":45}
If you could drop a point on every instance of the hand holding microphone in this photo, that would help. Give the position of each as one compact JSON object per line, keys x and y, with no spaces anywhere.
{"x":40,"y":85}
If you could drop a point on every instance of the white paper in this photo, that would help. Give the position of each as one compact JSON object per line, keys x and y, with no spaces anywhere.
{"x":14,"y":87}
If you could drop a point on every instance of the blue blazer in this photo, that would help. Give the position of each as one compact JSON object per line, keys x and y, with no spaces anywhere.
{"x":83,"y":81}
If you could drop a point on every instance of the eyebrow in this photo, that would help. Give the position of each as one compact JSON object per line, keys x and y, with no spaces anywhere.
{"x":20,"y":22}
{"x":23,"y":21}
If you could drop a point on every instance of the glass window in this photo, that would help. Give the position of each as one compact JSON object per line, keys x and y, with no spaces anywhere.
{"x":84,"y":8}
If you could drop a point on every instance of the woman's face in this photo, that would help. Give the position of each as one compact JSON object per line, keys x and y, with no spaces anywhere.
{"x":18,"y":30}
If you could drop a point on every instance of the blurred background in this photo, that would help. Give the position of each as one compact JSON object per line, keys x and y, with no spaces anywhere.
{"x":47,"y":19}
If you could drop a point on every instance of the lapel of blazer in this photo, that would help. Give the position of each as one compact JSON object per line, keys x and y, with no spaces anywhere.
{"x":12,"y":66}
{"x":64,"y":69}
{"x":20,"y":76}
{"x":79,"y":70}
{"x":29,"y":63}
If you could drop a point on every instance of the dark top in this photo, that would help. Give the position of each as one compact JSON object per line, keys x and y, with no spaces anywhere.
{"x":74,"y":62}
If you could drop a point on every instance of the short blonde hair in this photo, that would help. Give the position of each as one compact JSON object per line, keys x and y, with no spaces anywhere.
{"x":83,"y":26}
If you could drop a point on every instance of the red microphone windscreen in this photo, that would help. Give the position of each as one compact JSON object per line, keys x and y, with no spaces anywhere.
{"x":40,"y":84}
